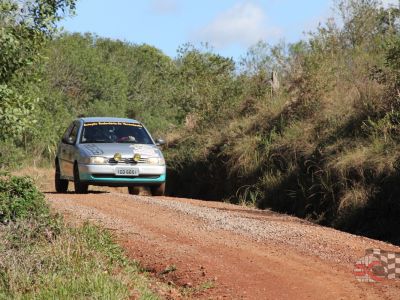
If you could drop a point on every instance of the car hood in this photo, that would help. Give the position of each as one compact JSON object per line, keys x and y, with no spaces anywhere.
{"x":126,"y":150}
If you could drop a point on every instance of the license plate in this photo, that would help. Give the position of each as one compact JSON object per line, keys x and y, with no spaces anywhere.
{"x":127,"y":171}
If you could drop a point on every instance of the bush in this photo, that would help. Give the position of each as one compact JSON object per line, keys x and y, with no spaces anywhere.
{"x":81,"y":263}
{"x":322,"y":147}
{"x":20,"y":199}
{"x":11,"y":156}
{"x":41,"y":258}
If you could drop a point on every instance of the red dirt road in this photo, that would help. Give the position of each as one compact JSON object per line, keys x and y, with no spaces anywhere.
{"x":219,"y":250}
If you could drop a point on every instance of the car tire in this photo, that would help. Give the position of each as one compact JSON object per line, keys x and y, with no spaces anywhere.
{"x":133,"y":190}
{"x":61,"y":185}
{"x":80,"y":187}
{"x":158,"y":190}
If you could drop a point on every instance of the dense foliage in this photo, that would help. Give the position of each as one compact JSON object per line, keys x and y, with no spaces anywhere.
{"x":318,"y":139}
{"x":20,"y":199}
{"x":324,"y":145}
{"x":24,"y":28}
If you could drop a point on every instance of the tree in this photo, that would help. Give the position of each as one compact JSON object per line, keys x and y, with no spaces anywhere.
{"x":24,"y":28}
{"x":205,"y":83}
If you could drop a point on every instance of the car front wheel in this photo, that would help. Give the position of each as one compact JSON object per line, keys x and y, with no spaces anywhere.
{"x":133,"y":190}
{"x":158,"y":190}
{"x":61,"y":185}
{"x":80,"y":187}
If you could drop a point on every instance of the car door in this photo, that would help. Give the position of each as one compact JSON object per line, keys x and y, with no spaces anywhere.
{"x":68,"y":150}
{"x":62,"y":150}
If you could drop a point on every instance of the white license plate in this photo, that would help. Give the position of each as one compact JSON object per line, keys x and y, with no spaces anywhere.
{"x":127,"y":171}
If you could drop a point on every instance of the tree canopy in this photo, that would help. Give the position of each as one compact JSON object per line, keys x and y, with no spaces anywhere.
{"x":25,"y":26}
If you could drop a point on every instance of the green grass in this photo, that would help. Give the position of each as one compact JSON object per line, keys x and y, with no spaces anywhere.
{"x":79,"y":262}
{"x":42,"y":258}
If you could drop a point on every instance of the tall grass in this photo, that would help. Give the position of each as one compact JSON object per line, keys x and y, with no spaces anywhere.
{"x":41,"y":258}
{"x":325,"y":146}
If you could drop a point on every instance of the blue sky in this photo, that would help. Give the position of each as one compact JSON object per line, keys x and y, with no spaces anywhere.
{"x":229,"y":26}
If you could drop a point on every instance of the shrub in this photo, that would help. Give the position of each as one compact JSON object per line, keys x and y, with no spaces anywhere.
{"x":41,"y":258}
{"x":20,"y":199}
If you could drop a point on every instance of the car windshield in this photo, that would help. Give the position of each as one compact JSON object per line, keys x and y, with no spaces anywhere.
{"x":114,"y":132}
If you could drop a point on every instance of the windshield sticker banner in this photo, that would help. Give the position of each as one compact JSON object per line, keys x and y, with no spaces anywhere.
{"x":88,"y":124}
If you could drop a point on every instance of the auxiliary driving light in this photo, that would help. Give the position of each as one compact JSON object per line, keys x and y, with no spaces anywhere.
{"x":117,"y":156}
{"x":136,"y":157}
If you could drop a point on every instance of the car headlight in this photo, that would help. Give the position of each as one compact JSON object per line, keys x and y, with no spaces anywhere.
{"x":96,"y":160}
{"x":156,"y":161}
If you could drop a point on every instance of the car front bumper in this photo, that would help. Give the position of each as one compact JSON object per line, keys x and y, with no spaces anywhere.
{"x":105,"y":175}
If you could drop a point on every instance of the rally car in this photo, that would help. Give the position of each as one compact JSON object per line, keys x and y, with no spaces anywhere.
{"x":109,"y":152}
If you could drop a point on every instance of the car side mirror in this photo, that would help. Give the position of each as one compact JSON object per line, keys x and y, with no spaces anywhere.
{"x":160,"y":142}
{"x":68,"y":140}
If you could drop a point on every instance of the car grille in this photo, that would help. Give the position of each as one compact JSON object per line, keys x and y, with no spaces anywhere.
{"x":126,"y":161}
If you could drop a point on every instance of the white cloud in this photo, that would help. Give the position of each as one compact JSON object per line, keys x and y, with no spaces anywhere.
{"x":164,"y":7}
{"x":243,"y":24}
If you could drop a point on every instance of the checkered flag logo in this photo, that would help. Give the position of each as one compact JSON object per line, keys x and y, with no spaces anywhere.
{"x":369,"y":269}
{"x":390,"y":261}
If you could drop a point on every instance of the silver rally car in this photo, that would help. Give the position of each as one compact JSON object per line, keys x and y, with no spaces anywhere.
{"x":110,"y":152}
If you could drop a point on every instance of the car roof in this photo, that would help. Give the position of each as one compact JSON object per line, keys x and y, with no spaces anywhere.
{"x":108,"y":119}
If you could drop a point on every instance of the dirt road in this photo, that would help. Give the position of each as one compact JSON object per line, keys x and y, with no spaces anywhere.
{"x":219,"y":250}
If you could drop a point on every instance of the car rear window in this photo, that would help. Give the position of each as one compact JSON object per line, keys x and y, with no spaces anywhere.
{"x":114,"y":132}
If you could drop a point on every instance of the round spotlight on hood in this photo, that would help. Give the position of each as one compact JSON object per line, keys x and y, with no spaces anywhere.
{"x":117,"y":156}
{"x":136,"y":157}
